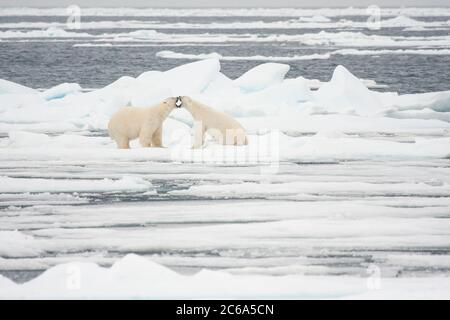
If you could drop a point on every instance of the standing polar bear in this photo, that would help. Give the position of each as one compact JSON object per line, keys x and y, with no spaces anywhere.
{"x":130,"y":123}
{"x":220,"y":125}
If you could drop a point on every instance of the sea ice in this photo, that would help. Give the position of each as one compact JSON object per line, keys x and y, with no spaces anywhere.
{"x":60,"y":91}
{"x":137,"y":277}
{"x":262,"y":76}
{"x":347,"y":94}
{"x":15,"y":185}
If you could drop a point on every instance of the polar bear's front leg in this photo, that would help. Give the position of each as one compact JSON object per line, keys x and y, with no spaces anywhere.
{"x":145,"y":136}
{"x":157,"y":138}
{"x":199,"y":133}
{"x":123,"y":143}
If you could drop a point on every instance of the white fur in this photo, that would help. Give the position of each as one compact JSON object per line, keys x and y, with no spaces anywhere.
{"x":220,"y":125}
{"x":130,"y":123}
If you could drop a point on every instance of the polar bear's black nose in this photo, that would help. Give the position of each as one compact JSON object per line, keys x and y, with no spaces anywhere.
{"x":178,"y":102}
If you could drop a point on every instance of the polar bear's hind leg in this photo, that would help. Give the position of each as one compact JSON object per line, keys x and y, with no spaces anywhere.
{"x":199,"y":134}
{"x":241,"y":138}
{"x":236,"y":137}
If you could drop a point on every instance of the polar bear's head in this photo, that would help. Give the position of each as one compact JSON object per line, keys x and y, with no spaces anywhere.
{"x":178,"y":102}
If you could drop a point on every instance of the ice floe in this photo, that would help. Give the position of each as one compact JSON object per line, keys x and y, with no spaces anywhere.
{"x":264,"y":91}
{"x":263,"y":99}
{"x":52,"y":32}
{"x":357,"y":52}
{"x":177,"y":55}
{"x":167,"y":54}
{"x":16,"y":185}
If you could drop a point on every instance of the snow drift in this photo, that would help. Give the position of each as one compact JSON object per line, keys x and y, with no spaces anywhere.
{"x":137,"y":277}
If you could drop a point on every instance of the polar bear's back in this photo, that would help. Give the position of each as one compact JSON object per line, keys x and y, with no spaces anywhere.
{"x":214,"y":118}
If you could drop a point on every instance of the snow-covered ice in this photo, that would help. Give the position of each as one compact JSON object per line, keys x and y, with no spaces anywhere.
{"x":137,"y":277}
{"x":176,"y":55}
{"x":262,"y":76}
{"x":338,"y":180}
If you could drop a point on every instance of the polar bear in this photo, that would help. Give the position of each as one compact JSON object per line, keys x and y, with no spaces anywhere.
{"x":220,"y":125}
{"x":130,"y":123}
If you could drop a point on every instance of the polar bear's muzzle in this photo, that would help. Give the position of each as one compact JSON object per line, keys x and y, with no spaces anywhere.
{"x":178,"y":102}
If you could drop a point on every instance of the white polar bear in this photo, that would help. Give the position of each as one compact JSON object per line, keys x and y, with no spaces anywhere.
{"x":130,"y":123}
{"x":220,"y":125}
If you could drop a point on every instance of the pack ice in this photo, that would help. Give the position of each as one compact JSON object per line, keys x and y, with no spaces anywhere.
{"x":361,"y":182}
